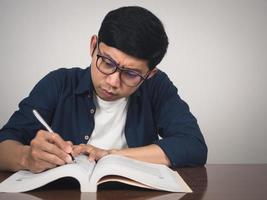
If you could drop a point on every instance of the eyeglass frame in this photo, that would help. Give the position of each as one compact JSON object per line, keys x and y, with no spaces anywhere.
{"x":120,"y":68}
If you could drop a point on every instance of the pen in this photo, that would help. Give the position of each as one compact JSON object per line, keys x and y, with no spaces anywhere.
{"x":43,"y":122}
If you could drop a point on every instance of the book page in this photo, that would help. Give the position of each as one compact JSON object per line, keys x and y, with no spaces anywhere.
{"x":153,"y":175}
{"x":23,"y":180}
{"x":122,"y":179}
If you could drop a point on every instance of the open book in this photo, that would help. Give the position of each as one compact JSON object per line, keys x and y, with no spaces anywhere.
{"x":90,"y":174}
{"x":93,"y":196}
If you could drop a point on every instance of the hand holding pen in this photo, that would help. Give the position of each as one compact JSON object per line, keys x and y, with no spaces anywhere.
{"x":48,"y":150}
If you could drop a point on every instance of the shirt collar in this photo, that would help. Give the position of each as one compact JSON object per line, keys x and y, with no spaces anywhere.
{"x":85,"y":84}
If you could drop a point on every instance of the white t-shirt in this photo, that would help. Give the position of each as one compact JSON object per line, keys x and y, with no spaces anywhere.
{"x":110,"y":118}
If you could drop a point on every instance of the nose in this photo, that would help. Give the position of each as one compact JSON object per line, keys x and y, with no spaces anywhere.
{"x":114,"y":79}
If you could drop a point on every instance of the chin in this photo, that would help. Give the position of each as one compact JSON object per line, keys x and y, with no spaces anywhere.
{"x":106,"y":98}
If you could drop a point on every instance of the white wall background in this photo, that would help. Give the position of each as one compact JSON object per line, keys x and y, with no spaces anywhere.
{"x":217,"y":58}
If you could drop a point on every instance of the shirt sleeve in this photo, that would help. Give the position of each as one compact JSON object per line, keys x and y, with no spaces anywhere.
{"x":22,"y":126}
{"x":182,"y":140}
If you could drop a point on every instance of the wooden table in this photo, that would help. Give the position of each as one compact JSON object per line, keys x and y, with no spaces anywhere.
{"x":210,"y":182}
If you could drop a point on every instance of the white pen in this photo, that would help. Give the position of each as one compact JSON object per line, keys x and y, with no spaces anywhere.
{"x":40,"y":119}
{"x":43,"y":122}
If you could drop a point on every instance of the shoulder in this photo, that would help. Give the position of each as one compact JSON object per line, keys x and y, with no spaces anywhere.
{"x":160,"y":75}
{"x":60,"y":80}
{"x":70,"y":73}
{"x":159,"y":83}
{"x":65,"y":76}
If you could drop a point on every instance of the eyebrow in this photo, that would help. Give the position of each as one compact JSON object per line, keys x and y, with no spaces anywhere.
{"x":125,"y":67}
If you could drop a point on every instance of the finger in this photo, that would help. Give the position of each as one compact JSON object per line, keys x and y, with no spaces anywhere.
{"x":57,"y":155}
{"x":41,"y":135}
{"x":36,"y":164}
{"x":82,"y":149}
{"x":47,"y":155}
{"x":71,"y":153}
{"x":92,"y":155}
{"x":57,"y":140}
{"x":52,"y":159}
{"x":70,"y":143}
{"x":76,"y":150}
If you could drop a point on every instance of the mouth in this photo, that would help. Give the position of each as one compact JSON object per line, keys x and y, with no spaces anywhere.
{"x":107,"y":94}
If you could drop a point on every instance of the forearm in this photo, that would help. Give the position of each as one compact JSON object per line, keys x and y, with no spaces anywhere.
{"x":12,"y":155}
{"x":150,"y":153}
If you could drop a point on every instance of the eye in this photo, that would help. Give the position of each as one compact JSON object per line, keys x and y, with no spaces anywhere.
{"x":130,"y":74}
{"x":108,"y":62}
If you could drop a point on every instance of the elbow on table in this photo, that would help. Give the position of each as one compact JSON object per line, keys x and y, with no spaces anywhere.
{"x":198,"y":156}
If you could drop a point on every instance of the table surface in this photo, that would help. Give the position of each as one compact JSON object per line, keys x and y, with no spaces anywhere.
{"x":222,"y":181}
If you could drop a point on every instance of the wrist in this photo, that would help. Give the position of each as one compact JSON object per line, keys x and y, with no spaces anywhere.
{"x":24,"y":158}
{"x":113,"y":151}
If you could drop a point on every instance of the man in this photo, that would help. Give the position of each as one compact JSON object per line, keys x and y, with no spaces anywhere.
{"x":120,"y":105}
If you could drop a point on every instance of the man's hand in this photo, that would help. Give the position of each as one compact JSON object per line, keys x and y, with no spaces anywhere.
{"x":47,"y":151}
{"x":94,"y":153}
{"x":150,"y":153}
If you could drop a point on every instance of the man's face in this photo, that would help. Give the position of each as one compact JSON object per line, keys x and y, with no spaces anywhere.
{"x":110,"y":87}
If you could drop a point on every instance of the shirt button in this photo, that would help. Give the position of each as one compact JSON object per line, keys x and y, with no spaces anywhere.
{"x":86,"y":137}
{"x":92,"y":111}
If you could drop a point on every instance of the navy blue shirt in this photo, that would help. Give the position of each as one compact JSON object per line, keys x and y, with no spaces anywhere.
{"x":64,"y":98}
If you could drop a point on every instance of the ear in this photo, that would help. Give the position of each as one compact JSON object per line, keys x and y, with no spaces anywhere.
{"x":93,"y":45}
{"x":152,"y":73}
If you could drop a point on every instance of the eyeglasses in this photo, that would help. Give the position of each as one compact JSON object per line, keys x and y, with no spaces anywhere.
{"x":108,"y":66}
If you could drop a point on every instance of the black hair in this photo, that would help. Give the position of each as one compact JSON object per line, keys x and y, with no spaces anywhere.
{"x":137,"y":32}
